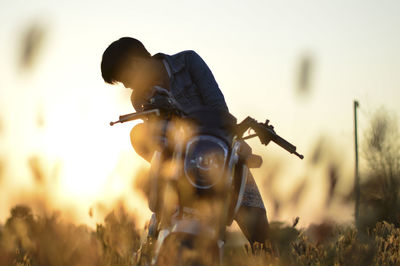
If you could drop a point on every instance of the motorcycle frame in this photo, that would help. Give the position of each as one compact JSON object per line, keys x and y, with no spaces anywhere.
{"x":193,"y":227}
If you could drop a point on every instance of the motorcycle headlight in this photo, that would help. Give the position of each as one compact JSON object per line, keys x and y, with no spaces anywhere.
{"x":205,"y":160}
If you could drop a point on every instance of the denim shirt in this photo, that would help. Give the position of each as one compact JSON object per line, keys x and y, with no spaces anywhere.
{"x":191,"y":83}
{"x":194,"y":87}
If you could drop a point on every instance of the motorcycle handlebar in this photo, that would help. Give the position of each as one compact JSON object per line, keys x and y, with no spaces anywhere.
{"x":264,"y":131}
{"x":286,"y":145}
{"x":134,"y":116}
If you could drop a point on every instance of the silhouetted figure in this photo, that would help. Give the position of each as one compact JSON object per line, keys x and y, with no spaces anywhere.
{"x":193,"y":86}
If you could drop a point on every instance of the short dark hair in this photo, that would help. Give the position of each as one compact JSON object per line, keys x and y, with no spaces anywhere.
{"x":118,"y":54}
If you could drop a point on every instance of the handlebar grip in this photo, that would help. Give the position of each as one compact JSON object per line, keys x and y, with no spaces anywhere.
{"x":137,"y":115}
{"x":286,"y":145}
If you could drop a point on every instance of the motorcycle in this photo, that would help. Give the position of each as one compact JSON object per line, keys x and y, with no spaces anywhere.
{"x":197,"y":179}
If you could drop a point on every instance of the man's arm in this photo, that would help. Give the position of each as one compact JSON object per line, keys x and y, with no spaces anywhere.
{"x":205,"y":81}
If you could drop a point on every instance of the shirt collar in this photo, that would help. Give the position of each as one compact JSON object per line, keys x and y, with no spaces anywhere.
{"x":173,"y":61}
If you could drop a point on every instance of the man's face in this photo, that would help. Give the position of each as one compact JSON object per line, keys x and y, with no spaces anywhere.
{"x":139,"y":75}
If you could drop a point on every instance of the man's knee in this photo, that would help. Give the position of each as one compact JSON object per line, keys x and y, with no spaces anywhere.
{"x":141,"y":142}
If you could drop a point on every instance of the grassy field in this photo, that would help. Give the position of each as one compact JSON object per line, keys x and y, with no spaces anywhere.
{"x":26,"y":239}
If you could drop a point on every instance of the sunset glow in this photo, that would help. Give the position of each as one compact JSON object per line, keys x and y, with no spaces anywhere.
{"x":57,"y":107}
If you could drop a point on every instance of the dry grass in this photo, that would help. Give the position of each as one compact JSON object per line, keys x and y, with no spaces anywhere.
{"x":26,"y":239}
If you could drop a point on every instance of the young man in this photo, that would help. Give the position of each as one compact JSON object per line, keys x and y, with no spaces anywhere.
{"x":192,"y":84}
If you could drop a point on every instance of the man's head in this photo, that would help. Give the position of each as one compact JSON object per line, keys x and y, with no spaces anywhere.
{"x":127,"y":61}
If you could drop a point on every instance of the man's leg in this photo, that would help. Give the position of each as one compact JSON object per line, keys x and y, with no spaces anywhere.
{"x":142,"y":141}
{"x":252,"y":216}
{"x":254,"y":223}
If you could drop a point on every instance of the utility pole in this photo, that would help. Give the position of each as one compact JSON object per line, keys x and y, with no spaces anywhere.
{"x":356,"y":174}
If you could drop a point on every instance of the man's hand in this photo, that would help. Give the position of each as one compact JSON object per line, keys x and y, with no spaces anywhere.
{"x":158,"y":102}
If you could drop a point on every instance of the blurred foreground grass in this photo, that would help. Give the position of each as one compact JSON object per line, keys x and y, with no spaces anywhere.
{"x":26,"y":239}
{"x":29,"y":239}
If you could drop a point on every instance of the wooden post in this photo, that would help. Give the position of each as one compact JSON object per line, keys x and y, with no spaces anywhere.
{"x":356,"y":174}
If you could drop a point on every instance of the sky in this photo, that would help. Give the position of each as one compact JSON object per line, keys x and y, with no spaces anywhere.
{"x":254,"y":49}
